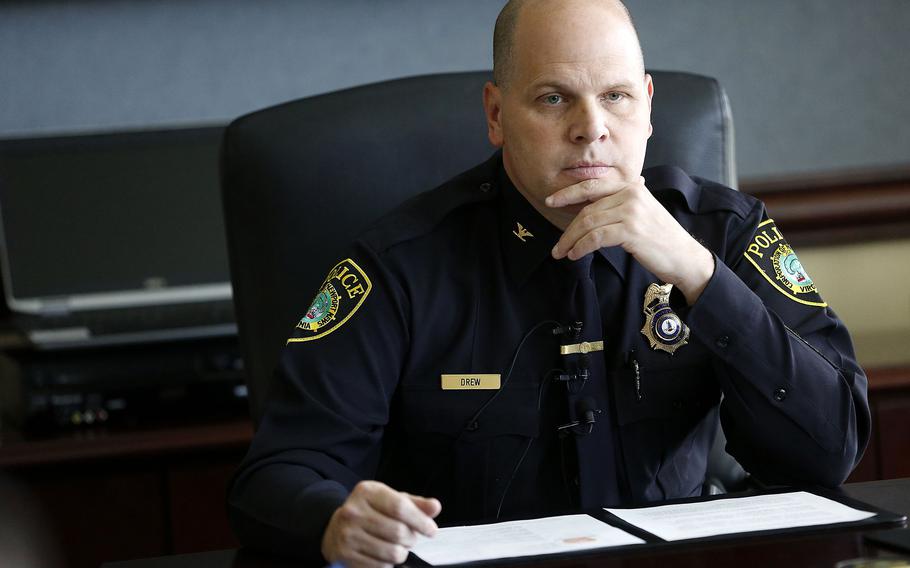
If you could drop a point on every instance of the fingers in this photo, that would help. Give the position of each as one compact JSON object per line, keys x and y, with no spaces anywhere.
{"x":593,"y":240}
{"x":347,"y":541}
{"x":379,"y":551}
{"x":589,"y":231}
{"x":430,"y":506}
{"x":588,"y":191}
{"x":358,"y":560}
{"x":401,"y":507}
{"x":390,"y":530}
{"x":362,"y":550}
{"x":376,"y":526}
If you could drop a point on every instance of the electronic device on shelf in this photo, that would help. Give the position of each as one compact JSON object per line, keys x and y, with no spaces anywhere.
{"x":115,"y":278}
{"x":129,"y":386}
{"x":114,"y":238}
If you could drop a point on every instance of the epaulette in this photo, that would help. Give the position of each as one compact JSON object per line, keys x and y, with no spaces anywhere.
{"x":700,"y":195}
{"x":422,"y":213}
{"x":717,"y":196}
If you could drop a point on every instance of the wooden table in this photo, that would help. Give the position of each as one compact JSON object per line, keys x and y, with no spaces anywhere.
{"x":117,"y":494}
{"x":818,"y":547}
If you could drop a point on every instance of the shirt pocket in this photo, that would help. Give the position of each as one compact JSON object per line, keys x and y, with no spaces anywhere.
{"x":471,"y":415}
{"x":463,"y":457}
{"x":666,"y":418}
{"x":664,"y":393}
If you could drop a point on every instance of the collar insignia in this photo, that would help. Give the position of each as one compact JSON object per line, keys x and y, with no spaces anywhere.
{"x":663,"y":328}
{"x":521,"y":232}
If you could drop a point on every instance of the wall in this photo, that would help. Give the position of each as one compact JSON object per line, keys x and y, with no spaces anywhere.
{"x":865,"y":284}
{"x":815,"y":85}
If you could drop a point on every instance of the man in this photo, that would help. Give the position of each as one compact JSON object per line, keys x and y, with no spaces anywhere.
{"x":440,"y":372}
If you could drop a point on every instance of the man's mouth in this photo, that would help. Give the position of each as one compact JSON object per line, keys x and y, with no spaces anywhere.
{"x":587,"y":170}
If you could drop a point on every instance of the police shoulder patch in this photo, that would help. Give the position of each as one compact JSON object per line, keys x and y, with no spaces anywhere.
{"x":775,"y":259}
{"x":340,"y":296}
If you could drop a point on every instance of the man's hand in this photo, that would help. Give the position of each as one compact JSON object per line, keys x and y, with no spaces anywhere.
{"x":376,"y":526}
{"x":626,"y":214}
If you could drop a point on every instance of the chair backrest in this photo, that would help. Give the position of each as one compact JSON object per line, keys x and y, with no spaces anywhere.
{"x":300,"y":179}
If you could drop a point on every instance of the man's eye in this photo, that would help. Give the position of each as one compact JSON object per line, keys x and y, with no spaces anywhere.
{"x":614,"y":97}
{"x":552,"y":99}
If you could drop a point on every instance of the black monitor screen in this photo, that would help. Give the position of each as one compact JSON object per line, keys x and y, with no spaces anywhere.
{"x":109,"y":213}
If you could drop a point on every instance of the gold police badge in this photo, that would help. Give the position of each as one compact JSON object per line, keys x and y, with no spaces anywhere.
{"x":663,"y":328}
{"x":341,"y":294}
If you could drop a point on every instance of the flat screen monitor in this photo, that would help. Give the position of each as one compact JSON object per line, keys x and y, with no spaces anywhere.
{"x":107,"y":220}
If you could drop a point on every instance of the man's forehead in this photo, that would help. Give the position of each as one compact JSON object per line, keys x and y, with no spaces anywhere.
{"x":583,"y":15}
{"x":595,"y":65}
{"x":565,"y":76}
{"x":575,"y":34}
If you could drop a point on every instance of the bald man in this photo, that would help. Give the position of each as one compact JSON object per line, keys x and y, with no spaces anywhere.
{"x":440,"y":373}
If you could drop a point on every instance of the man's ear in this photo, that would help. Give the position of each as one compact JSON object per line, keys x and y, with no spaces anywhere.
{"x":492,"y":107}
{"x":649,"y":88}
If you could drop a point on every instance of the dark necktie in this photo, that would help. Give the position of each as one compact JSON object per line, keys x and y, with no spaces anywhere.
{"x":610,"y":294}
{"x":589,"y":399}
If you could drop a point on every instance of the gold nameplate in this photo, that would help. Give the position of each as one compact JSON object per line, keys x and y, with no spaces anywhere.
{"x":471,"y":382}
{"x":583,"y":347}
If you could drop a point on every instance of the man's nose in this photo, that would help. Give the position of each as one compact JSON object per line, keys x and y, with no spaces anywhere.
{"x":589,"y":123}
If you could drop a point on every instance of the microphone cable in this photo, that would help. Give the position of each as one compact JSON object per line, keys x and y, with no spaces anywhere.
{"x":524,"y":454}
{"x":574,"y":330}
{"x":471,"y":424}
{"x":502,"y":387}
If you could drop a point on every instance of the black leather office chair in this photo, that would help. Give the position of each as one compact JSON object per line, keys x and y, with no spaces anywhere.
{"x":300,"y":179}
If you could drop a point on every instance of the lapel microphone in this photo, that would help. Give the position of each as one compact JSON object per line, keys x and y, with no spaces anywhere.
{"x":570,"y":330}
{"x":586,"y":409}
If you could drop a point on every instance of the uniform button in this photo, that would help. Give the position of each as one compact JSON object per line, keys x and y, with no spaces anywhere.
{"x":485,"y":187}
{"x":473,"y":426}
{"x":780,"y":394}
{"x":723,"y":341}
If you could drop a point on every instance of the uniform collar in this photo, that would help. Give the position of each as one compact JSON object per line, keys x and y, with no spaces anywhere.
{"x":665,"y":181}
{"x":528,"y":237}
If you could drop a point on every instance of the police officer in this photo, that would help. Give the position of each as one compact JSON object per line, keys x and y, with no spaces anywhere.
{"x":549,"y":331}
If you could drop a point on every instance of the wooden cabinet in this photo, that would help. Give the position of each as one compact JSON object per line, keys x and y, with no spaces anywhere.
{"x":122,"y":495}
{"x":888,"y":454}
{"x":117,"y":496}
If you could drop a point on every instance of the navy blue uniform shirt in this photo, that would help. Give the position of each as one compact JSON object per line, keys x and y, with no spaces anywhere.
{"x":451,"y":283}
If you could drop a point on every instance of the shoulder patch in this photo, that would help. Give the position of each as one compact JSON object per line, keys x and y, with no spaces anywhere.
{"x":776,"y":260}
{"x":340,"y":296}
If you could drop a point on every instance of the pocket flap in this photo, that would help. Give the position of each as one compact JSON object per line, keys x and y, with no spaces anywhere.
{"x":513,"y":411}
{"x":664,"y":393}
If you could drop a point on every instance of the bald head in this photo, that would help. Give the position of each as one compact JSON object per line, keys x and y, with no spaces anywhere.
{"x":507,"y":22}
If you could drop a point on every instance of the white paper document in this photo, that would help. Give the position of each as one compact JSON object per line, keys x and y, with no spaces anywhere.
{"x":739,"y":515}
{"x":549,"y":535}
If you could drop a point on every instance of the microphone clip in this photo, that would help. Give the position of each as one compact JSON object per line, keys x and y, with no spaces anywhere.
{"x":570,"y":331}
{"x":585,"y":425}
{"x":574,"y":382}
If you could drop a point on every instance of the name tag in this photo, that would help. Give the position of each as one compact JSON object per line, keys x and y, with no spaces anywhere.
{"x":471,"y":382}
